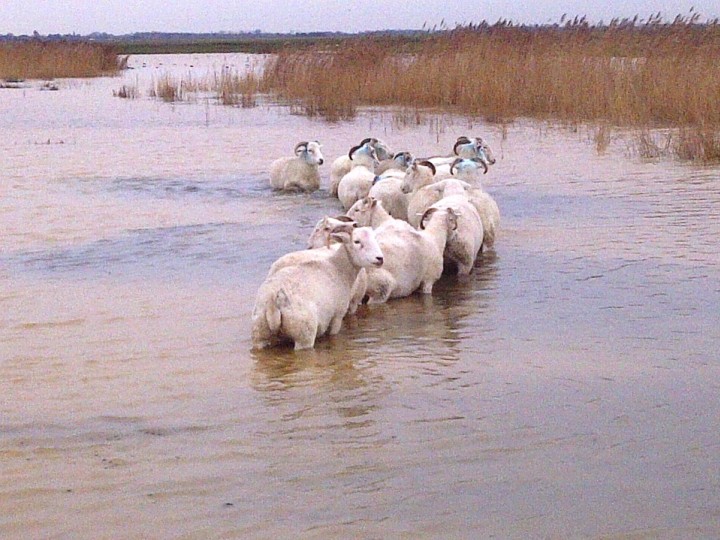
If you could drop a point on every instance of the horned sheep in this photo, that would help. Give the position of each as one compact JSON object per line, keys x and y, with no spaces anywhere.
{"x":342,"y":164}
{"x":463,"y":248}
{"x":465,"y":171}
{"x":357,"y":182}
{"x":298,"y":173}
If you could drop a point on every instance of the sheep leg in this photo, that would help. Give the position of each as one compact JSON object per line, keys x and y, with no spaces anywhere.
{"x":464,"y":269}
{"x":302,"y":328}
{"x":426,"y":287}
{"x":381,"y":288}
{"x":335,"y":325}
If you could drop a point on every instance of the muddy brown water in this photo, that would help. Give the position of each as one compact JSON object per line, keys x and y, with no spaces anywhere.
{"x":567,"y":389}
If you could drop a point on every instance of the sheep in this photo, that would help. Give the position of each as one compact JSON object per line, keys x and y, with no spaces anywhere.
{"x":400,"y":161}
{"x":413,"y":259}
{"x":387,"y":189}
{"x":423,"y":194}
{"x":299,"y":173}
{"x":302,"y":302}
{"x":462,"y":249}
{"x":464,"y":148}
{"x":342,"y":165}
{"x":420,"y":174}
{"x":356,"y":184}
{"x":369,"y":212}
{"x":466,"y":169}
{"x":321,"y":246}
{"x":320,"y":235}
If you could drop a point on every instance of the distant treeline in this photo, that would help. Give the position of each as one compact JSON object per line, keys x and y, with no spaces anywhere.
{"x":216,"y":42}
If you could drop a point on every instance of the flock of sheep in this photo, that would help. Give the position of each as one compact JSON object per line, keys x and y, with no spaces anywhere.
{"x":407,"y":221}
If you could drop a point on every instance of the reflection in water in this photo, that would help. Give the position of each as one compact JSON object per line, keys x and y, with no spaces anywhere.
{"x":566,"y":388}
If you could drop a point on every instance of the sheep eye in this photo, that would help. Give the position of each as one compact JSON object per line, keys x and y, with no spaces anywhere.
{"x":357,"y":242}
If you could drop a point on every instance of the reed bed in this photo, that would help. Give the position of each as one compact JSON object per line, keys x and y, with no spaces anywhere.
{"x":628,"y":73}
{"x":49,"y":60}
{"x":227,"y":87}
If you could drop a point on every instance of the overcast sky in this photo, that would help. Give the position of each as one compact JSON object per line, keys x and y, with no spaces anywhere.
{"x":126,"y":16}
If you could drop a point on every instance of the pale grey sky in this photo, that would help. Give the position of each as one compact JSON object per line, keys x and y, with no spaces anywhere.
{"x":126,"y":16}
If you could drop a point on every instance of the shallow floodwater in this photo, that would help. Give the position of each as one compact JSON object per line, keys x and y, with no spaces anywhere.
{"x":567,"y":389}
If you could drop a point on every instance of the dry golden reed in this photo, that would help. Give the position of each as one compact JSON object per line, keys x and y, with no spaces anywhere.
{"x":627,"y":73}
{"x":48,"y":60}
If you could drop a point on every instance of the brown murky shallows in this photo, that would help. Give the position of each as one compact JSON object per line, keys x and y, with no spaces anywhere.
{"x":567,"y":388}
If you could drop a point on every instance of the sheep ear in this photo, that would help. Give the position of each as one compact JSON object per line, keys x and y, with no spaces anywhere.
{"x":346,"y":219}
{"x":340,"y":235}
{"x":301,"y":147}
{"x":342,"y":228}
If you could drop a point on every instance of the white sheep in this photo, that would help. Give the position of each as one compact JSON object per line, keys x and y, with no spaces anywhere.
{"x":320,"y":246}
{"x":342,"y":164}
{"x":357,"y":182}
{"x":387,"y":188}
{"x":413,"y":259}
{"x":464,"y":147}
{"x":399,"y":162}
{"x":424,"y":190}
{"x":321,"y":235}
{"x":302,"y":302}
{"x":419,"y":174}
{"x":468,"y":170}
{"x":298,"y":173}
{"x":462,"y":249}
{"x":369,"y":212}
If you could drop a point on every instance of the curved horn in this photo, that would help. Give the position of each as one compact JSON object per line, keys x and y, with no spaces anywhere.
{"x":429,"y":212}
{"x":346,"y":219}
{"x":353,"y":149}
{"x":300,"y":145}
{"x":481,"y":162}
{"x":365,"y":140}
{"x":429,"y":165}
{"x":460,"y":140}
{"x":453,"y":165}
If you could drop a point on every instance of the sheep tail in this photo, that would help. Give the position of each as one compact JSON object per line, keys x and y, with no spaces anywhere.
{"x":273,"y":314}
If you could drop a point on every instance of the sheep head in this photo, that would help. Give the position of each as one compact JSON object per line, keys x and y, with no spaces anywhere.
{"x":362,"y":210}
{"x":404,"y":159}
{"x":484,"y":152}
{"x":324,"y":228}
{"x":464,"y":147}
{"x":417,"y":175}
{"x":361,"y":246}
{"x":310,"y":152}
{"x":365,"y":154}
{"x":464,"y":164}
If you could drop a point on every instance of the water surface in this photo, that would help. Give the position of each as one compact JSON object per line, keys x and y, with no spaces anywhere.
{"x":568,"y":388}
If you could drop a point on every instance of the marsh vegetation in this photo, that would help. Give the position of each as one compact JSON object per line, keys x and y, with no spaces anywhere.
{"x":640,"y":74}
{"x":48,"y":60}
